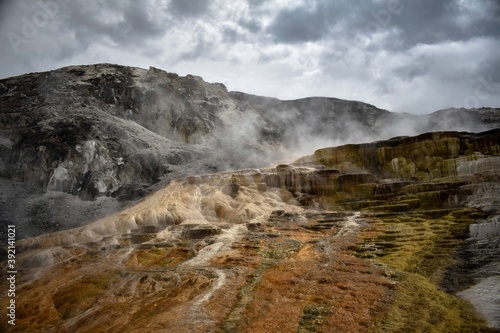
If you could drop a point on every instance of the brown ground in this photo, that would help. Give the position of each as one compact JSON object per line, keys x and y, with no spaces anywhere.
{"x":281,"y":276}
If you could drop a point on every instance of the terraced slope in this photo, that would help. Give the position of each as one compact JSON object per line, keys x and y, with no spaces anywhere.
{"x":295,"y":248}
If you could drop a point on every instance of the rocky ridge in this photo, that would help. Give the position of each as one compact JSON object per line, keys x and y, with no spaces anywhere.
{"x":378,"y":237}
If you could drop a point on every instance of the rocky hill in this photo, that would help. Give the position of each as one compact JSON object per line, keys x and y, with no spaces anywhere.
{"x":145,"y":201}
{"x":81,"y":142}
{"x":392,"y":236}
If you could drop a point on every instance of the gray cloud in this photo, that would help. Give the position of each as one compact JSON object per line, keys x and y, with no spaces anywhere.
{"x":202,"y":47}
{"x":251,"y":25}
{"x":299,"y":24}
{"x":189,"y":8}
{"x":390,"y":53}
{"x":430,"y":21}
{"x":411,"y":71}
{"x":490,"y":67}
{"x":125,"y":22}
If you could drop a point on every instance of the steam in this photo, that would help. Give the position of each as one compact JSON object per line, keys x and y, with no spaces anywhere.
{"x":269,"y":132}
{"x":241,"y":143}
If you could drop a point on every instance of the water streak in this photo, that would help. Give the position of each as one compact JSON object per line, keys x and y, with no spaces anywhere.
{"x":350,"y":226}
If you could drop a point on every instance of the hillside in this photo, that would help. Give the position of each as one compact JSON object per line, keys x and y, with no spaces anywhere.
{"x":81,"y":142}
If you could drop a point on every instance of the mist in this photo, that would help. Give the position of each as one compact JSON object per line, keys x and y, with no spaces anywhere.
{"x":265,"y":131}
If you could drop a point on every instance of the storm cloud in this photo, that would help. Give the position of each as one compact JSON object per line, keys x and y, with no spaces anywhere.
{"x":413,"y":56}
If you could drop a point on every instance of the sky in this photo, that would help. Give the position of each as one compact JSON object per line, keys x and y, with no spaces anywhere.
{"x":414,"y":56}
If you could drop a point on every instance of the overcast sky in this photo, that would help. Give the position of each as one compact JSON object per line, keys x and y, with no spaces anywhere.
{"x":413,"y":56}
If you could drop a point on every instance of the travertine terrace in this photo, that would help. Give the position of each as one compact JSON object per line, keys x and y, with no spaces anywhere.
{"x":392,"y":236}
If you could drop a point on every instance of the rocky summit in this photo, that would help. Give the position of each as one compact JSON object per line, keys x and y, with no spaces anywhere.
{"x":148,"y":202}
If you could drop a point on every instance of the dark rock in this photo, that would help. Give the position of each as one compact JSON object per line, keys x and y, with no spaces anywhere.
{"x":131,"y":192}
{"x":200,"y":232}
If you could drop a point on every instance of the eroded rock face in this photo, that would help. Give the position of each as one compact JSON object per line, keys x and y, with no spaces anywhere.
{"x":424,"y":157}
{"x":90,"y":130}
